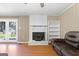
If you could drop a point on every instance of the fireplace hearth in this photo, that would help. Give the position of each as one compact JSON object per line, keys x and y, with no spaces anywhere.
{"x":38,"y":36}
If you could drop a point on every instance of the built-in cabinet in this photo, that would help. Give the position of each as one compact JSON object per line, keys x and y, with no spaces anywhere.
{"x":53,"y":29}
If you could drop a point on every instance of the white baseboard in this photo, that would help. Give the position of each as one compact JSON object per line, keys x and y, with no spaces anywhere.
{"x":35,"y":43}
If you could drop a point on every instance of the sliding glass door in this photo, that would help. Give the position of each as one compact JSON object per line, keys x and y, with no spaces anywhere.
{"x":8,"y":31}
{"x":12,"y":31}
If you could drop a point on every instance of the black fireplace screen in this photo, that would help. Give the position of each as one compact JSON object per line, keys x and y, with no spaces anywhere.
{"x":38,"y":36}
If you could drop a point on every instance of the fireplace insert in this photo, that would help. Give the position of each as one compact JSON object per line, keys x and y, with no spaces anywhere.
{"x":38,"y":36}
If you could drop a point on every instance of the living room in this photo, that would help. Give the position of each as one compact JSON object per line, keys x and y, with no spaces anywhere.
{"x":30,"y":29}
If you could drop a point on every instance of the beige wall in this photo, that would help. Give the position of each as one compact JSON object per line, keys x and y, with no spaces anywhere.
{"x":23,"y":29}
{"x":22,"y":25}
{"x":70,"y":20}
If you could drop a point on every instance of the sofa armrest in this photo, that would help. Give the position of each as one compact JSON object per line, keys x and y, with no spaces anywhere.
{"x":58,"y":40}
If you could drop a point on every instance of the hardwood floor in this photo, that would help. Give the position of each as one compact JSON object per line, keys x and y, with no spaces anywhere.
{"x":26,"y":50}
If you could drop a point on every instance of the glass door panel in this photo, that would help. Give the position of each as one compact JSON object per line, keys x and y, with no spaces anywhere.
{"x":12,"y":31}
{"x":2,"y":30}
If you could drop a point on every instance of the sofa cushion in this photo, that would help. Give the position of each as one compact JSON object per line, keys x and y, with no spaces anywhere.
{"x":60,"y":45}
{"x":70,"y":51}
{"x":74,"y":44}
{"x":72,"y":36}
{"x":66,"y":49}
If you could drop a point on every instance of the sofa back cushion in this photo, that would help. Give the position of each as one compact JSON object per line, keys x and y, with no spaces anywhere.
{"x":72,"y":38}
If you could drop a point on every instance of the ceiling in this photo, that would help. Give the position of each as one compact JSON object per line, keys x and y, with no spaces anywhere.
{"x":21,"y":9}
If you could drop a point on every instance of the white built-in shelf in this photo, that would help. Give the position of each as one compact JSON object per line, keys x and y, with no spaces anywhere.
{"x":54,"y":34}
{"x":53,"y":30}
{"x":53,"y":26}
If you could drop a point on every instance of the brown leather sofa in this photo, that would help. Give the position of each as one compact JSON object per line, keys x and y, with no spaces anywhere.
{"x":69,"y":46}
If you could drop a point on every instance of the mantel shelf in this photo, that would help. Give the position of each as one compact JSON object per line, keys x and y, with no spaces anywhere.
{"x":38,"y":26}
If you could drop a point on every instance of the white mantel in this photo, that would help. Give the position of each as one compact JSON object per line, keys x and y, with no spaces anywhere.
{"x":37,"y":23}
